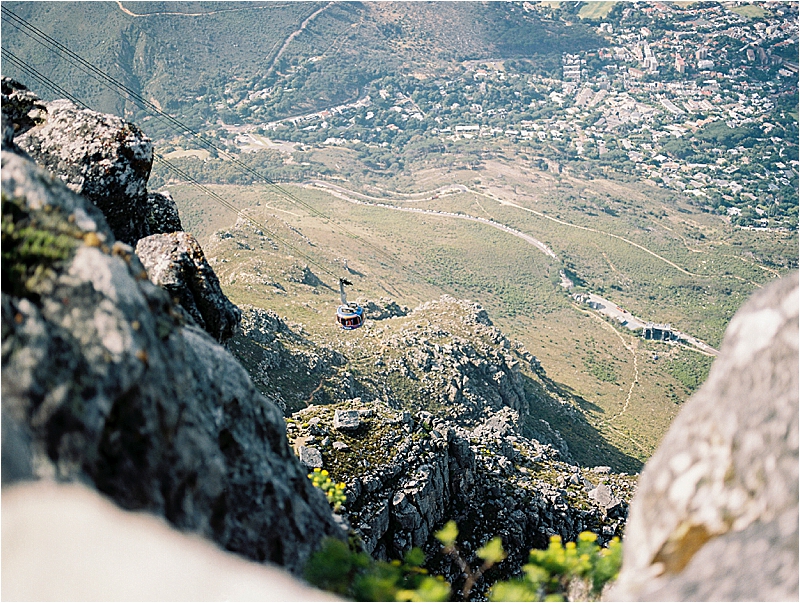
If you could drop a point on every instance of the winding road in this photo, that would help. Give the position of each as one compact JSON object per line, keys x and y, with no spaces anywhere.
{"x":179,"y":14}
{"x":347,"y":195}
{"x":600,"y":304}
{"x":296,"y":33}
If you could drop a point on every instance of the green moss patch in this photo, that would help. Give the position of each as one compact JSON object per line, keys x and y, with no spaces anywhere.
{"x":34,"y":245}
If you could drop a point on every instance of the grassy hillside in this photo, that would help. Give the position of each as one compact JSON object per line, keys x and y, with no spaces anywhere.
{"x":627,"y":388}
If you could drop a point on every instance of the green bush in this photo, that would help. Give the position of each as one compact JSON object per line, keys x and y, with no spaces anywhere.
{"x":578,"y":567}
{"x":337,"y":568}
{"x":333,"y":492}
{"x":550,"y":574}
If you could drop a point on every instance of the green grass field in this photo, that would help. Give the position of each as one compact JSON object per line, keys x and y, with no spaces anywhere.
{"x":751,"y":11}
{"x":595,"y":10}
{"x":650,"y":253}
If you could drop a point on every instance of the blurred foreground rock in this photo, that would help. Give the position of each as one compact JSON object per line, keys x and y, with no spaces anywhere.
{"x":68,"y":543}
{"x":715,"y":516}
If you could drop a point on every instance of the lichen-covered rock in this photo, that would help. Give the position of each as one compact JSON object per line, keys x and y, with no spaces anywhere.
{"x":102,"y":382}
{"x":176,"y":262}
{"x":310,"y":456}
{"x":715,"y":517}
{"x":346,"y":420}
{"x":162,"y":214}
{"x":99,"y":156}
{"x":22,"y":110}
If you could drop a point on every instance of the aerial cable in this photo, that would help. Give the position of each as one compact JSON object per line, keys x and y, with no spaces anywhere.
{"x":19,"y":63}
{"x":96,"y":73}
{"x":225,"y":203}
{"x":59,"y":49}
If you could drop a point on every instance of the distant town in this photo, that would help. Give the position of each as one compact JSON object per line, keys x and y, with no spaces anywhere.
{"x":697,"y":97}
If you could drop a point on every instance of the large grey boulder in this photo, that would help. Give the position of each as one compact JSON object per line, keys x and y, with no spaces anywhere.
{"x":99,"y":156}
{"x":176,"y":262}
{"x":715,"y":517}
{"x":104,"y":383}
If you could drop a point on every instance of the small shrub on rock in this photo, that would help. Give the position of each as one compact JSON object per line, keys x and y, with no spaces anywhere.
{"x":333,"y":491}
{"x":337,"y":568}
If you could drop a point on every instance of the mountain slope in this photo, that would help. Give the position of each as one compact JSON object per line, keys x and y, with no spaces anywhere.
{"x":195,"y":59}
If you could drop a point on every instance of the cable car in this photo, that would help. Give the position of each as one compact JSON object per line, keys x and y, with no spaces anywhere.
{"x":349,"y":316}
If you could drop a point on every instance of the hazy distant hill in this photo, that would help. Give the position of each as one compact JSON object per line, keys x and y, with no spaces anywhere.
{"x":184,"y":55}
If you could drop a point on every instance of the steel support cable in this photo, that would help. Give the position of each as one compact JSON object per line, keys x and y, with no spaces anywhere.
{"x":225,"y":203}
{"x":19,"y":63}
{"x":98,"y":74}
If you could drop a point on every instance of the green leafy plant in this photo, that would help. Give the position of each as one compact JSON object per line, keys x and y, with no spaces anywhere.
{"x":333,"y":491}
{"x":579,"y":568}
{"x":339,"y":569}
{"x":492,"y":552}
{"x":551,"y":573}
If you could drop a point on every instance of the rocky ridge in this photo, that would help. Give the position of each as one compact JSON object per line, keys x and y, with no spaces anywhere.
{"x":106,"y":381}
{"x":435,"y":420}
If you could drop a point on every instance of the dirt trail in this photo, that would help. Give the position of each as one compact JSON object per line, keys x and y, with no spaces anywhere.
{"x":296,"y":33}
{"x":587,"y":228}
{"x":179,"y":14}
{"x":342,"y":193}
{"x":632,"y":350}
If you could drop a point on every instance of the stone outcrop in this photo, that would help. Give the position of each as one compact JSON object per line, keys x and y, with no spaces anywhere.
{"x":102,"y":157}
{"x":22,"y":110}
{"x":175,"y":261}
{"x":108,"y":160}
{"x":105,"y":553}
{"x":104,"y":382}
{"x":715,"y":517}
{"x":99,"y":156}
{"x":408,"y":473}
{"x":275,"y":354}
{"x":162,"y":214}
